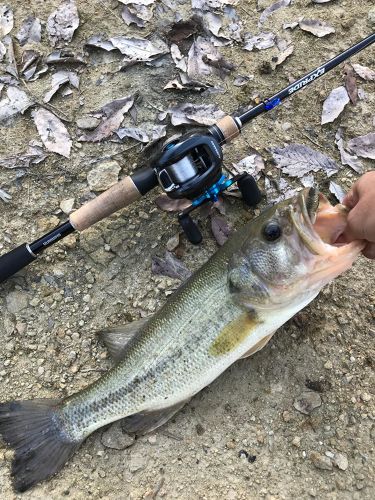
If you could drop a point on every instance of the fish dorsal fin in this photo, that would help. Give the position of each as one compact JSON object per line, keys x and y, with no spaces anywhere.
{"x":144,"y":422}
{"x":117,"y":338}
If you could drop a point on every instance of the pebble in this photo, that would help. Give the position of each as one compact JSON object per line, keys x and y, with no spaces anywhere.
{"x":296,"y":441}
{"x":115,"y":438}
{"x":16,"y":301}
{"x":137,"y":462}
{"x":320,"y":461}
{"x":307,"y":401}
{"x":173,"y":242}
{"x":152,"y":439}
{"x":365,"y":397}
{"x":103,"y":176}
{"x":67,"y":206}
{"x":328,"y":365}
{"x":45,"y":224}
{"x":341,"y":461}
{"x":371,"y":16}
{"x":87,"y":122}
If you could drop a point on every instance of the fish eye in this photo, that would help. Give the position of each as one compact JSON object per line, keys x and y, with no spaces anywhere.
{"x":272,"y":231}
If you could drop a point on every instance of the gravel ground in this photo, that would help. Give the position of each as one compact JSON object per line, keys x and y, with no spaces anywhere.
{"x":245,"y":435}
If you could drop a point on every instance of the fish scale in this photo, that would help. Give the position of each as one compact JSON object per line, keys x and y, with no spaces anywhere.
{"x":153,"y":375}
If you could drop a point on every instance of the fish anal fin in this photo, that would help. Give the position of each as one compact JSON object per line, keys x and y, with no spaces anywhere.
{"x":258,"y":346}
{"x":144,"y":422}
{"x":117,"y":338}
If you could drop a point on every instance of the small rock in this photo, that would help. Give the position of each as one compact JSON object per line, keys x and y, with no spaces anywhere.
{"x":152,"y":439}
{"x":365,"y":397}
{"x":115,"y":438}
{"x":16,"y":301}
{"x":67,"y":206}
{"x":341,"y":461}
{"x":47,"y":223}
{"x":88,"y":122}
{"x":320,"y":461}
{"x":137,"y":462}
{"x":296,"y":441}
{"x":173,"y":242}
{"x":307,"y":401}
{"x":200,"y":429}
{"x":328,"y":365}
{"x":103,"y":176}
{"x":371,"y":16}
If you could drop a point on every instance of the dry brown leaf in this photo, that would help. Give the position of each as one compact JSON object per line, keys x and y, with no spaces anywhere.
{"x":114,"y":115}
{"x":58,"y":80}
{"x":364,"y":72}
{"x":6,"y":197}
{"x":351,"y":83}
{"x":63,"y":22}
{"x":260,"y":42}
{"x":297,"y":160}
{"x":363,"y":145}
{"x":53,"y":132}
{"x":34,"y":155}
{"x":334,"y":105}
{"x":346,"y":158}
{"x":252,"y":164}
{"x":170,"y":266}
{"x":337,"y":190}
{"x":203,"y":114}
{"x":6,"y":20}
{"x":280,"y":58}
{"x":136,"y":14}
{"x":30,"y":31}
{"x":16,"y":101}
{"x":273,"y":8}
{"x":316,"y":27}
{"x":184,"y":29}
{"x":147,"y":133}
{"x":169,"y":205}
{"x":220,"y":229}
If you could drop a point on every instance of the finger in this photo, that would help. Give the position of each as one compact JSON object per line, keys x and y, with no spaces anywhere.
{"x":351,"y":199}
{"x":369,"y":251}
{"x":354,"y":229}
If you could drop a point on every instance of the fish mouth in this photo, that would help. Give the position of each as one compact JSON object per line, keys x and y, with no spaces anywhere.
{"x":320,"y":226}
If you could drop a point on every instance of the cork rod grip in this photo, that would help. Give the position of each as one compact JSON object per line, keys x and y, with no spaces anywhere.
{"x":228,"y":128}
{"x":118,"y":196}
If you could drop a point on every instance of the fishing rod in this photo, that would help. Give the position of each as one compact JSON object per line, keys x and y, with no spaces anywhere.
{"x":188,"y":167}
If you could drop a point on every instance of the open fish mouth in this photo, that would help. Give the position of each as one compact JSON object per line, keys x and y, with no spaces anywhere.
{"x":320,"y":226}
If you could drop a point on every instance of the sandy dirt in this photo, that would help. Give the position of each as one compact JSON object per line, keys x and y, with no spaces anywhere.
{"x":50,"y":312}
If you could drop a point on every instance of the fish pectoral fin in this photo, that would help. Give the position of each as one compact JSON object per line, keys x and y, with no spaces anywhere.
{"x":258,"y":346}
{"x":144,"y":422}
{"x":117,"y":338}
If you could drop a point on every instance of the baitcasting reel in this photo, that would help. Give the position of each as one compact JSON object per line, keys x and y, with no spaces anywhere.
{"x":192,"y":168}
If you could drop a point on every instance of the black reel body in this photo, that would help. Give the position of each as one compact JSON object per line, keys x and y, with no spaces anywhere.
{"x":191,"y":167}
{"x":187,"y":168}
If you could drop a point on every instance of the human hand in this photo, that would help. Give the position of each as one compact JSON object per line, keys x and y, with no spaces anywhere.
{"x":361,"y":218}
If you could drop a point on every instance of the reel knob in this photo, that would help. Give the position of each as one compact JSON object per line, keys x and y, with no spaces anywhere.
{"x":190,"y":229}
{"x":251,"y":194}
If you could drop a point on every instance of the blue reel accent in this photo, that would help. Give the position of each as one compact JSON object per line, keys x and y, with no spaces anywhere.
{"x":272,"y":104}
{"x":213,"y":192}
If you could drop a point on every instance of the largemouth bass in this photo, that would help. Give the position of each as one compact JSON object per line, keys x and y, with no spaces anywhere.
{"x":264,"y":274}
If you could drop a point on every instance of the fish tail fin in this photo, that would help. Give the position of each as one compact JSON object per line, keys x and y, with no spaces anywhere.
{"x":41,"y":447}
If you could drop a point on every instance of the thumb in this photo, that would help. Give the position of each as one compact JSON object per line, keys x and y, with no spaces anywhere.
{"x":350,"y":199}
{"x":369,"y":251}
